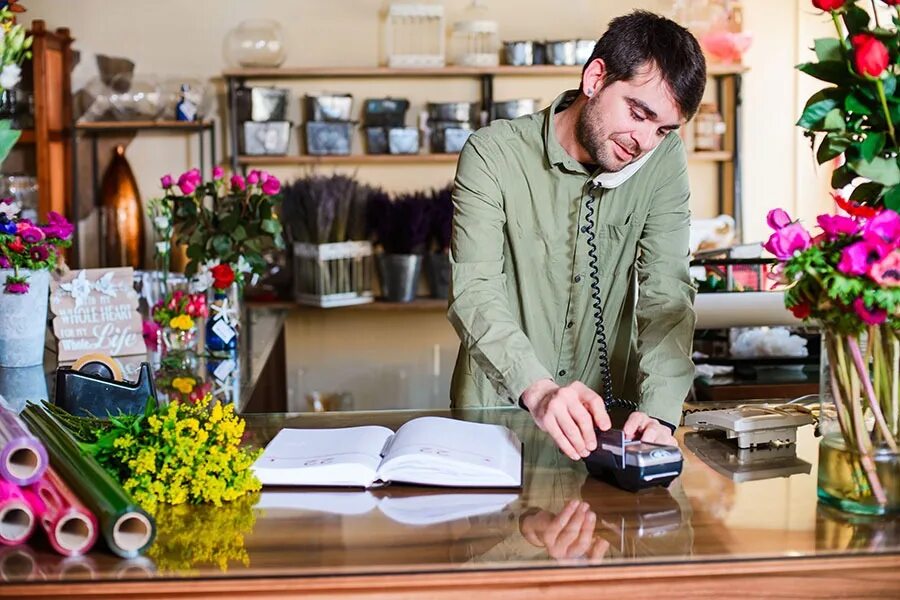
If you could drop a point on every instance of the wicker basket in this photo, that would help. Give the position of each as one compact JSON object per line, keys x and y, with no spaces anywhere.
{"x":329,"y":275}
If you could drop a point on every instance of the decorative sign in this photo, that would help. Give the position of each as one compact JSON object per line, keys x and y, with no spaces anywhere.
{"x":96,"y":311}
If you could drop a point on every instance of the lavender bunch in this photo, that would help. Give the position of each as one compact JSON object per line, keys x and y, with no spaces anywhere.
{"x":441,"y":218}
{"x":317,"y":209}
{"x":401,"y":225}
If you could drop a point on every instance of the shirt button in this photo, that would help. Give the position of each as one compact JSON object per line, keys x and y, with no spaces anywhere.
{"x":577,"y":278}
{"x":562,"y":373}
{"x":569,"y":325}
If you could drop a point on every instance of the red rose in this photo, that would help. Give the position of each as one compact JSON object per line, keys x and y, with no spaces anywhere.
{"x":870,"y":56}
{"x":828,"y":4}
{"x":223,"y":276}
{"x":892,"y":2}
{"x":801,"y":311}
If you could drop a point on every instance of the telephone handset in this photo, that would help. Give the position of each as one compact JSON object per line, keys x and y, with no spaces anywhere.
{"x":632,"y":465}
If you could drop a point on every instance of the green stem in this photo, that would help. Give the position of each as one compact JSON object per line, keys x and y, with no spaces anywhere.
{"x":863,"y":443}
{"x":887,"y":112}
{"x":840,"y":31}
{"x":870,"y":394}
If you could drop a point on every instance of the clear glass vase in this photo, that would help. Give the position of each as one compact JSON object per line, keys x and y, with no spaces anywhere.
{"x":859,"y":463}
{"x":175,"y":339}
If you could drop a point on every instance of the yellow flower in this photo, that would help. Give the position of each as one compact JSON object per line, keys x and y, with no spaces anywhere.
{"x":183,"y":322}
{"x":185,"y":385}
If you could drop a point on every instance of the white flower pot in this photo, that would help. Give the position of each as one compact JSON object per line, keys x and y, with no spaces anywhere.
{"x":23,"y":320}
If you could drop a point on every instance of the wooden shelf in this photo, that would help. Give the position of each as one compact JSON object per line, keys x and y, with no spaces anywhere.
{"x":352,"y":159}
{"x":406,"y":159}
{"x":103,"y":126}
{"x":714,"y":70}
{"x":417,"y":305}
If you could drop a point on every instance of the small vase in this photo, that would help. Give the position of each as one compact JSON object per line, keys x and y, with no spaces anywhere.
{"x":224,"y":323}
{"x":399,"y":275}
{"x":23,"y":320}
{"x":437,"y":273}
{"x":180,"y":339}
{"x":123,"y":216}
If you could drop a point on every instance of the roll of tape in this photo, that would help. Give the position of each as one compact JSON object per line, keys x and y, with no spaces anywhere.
{"x":98,"y":357}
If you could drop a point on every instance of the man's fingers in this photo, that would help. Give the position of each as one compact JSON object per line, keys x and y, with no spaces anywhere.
{"x":571,"y":430}
{"x":570,"y":532}
{"x":598,"y":411}
{"x":585,"y":535}
{"x":635,"y":422}
{"x":582,"y":418}
{"x":552,"y":427}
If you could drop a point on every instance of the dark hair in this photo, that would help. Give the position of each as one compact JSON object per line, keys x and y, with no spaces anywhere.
{"x":633,"y":40}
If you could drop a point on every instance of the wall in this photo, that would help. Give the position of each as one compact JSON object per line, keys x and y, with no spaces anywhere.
{"x":328,"y":350}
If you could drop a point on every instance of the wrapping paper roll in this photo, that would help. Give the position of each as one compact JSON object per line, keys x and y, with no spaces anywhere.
{"x":127,"y":529}
{"x":23,"y":458}
{"x":70,"y":527}
{"x":743,"y":309}
{"x":16,"y":515}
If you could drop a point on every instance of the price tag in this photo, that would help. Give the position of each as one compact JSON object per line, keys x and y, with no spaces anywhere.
{"x":223,"y":330}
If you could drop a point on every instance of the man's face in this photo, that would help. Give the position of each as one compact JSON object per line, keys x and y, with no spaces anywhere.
{"x":623,"y":121}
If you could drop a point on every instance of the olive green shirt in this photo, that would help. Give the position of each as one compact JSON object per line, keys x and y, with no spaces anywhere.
{"x":520,"y":297}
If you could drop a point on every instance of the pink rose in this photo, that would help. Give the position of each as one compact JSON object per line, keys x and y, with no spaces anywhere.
{"x":787,"y":241}
{"x":263,"y":176}
{"x":195,"y":176}
{"x":271,"y":186}
{"x":151,"y":335}
{"x":885,"y":226}
{"x":166,"y":181}
{"x":835,"y":226}
{"x":778,"y":219}
{"x":237,"y":183}
{"x":857,"y":257}
{"x":886,"y":272}
{"x":186,"y":184}
{"x":253,"y":177}
{"x":218,"y":172}
{"x":873,"y":316}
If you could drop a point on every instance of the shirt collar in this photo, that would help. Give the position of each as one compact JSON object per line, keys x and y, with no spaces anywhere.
{"x":556,"y":154}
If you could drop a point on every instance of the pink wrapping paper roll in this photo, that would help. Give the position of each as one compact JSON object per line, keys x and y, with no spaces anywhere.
{"x":22,"y":456}
{"x":70,"y":527}
{"x":16,"y":515}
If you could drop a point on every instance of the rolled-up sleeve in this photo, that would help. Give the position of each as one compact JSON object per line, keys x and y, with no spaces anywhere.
{"x":665,"y":312}
{"x":479,"y":307}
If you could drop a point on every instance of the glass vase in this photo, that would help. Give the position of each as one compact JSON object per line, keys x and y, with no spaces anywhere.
{"x":859,"y":464}
{"x":224,"y":323}
{"x":176,"y":339}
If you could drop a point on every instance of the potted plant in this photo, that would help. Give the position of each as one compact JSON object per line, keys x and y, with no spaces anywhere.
{"x":400,"y":229}
{"x":847,"y":277}
{"x":28,"y":252}
{"x":437,"y":261}
{"x":227,"y":224}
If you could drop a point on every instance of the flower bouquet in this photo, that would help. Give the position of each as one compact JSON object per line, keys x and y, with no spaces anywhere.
{"x":177,"y":314}
{"x":227,"y":225}
{"x":846,"y":278}
{"x":177,"y":378}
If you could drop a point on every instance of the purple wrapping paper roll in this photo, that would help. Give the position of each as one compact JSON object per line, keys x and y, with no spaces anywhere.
{"x":23,"y":458}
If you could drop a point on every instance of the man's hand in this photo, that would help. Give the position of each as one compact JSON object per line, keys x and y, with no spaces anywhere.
{"x":647,"y":429}
{"x":570,"y":534}
{"x":569,"y":414}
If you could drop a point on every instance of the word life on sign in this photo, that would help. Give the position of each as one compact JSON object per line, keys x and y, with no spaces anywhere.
{"x":95,"y":310}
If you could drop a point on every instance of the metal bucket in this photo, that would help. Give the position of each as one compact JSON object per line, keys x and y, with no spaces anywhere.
{"x":399,"y":275}
{"x":437,"y":274}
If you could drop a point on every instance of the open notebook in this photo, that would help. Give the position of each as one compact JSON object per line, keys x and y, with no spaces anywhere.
{"x":425,"y":451}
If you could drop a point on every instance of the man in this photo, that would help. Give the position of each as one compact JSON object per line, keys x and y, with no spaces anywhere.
{"x":521,"y":299}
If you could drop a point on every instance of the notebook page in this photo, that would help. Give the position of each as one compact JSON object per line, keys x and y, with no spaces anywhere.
{"x":442,"y":451}
{"x":346,"y":456}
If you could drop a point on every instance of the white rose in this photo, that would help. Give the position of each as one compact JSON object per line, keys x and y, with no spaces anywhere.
{"x":10,"y":76}
{"x":162,"y":247}
{"x":161,"y":223}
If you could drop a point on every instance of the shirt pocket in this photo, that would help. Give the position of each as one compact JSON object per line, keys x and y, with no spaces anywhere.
{"x":618,"y":246}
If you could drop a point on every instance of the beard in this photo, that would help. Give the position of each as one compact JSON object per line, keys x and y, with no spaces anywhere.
{"x":590,"y":130}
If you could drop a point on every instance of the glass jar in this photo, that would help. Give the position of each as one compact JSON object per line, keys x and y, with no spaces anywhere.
{"x":24,"y":190}
{"x":255,"y":43}
{"x":709,"y":129}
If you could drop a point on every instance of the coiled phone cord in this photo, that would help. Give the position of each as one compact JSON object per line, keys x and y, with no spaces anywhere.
{"x":602,"y":349}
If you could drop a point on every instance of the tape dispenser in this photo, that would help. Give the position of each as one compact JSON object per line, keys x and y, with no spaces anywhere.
{"x":94,"y":386}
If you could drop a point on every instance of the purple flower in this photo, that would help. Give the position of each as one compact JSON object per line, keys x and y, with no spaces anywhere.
{"x":271,"y":186}
{"x":58,"y":227}
{"x":166,"y":181}
{"x":7,"y":227}
{"x":15,"y":287}
{"x":39,"y":253}
{"x":787,"y":241}
{"x":4,"y":262}
{"x":884,"y":226}
{"x":857,"y":257}
{"x":778,"y":219}
{"x":835,"y":226}
{"x":253,"y":177}
{"x":873,"y":316}
{"x":151,"y":335}
{"x":218,"y":172}
{"x":237,"y":183}
{"x":32,"y":235}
